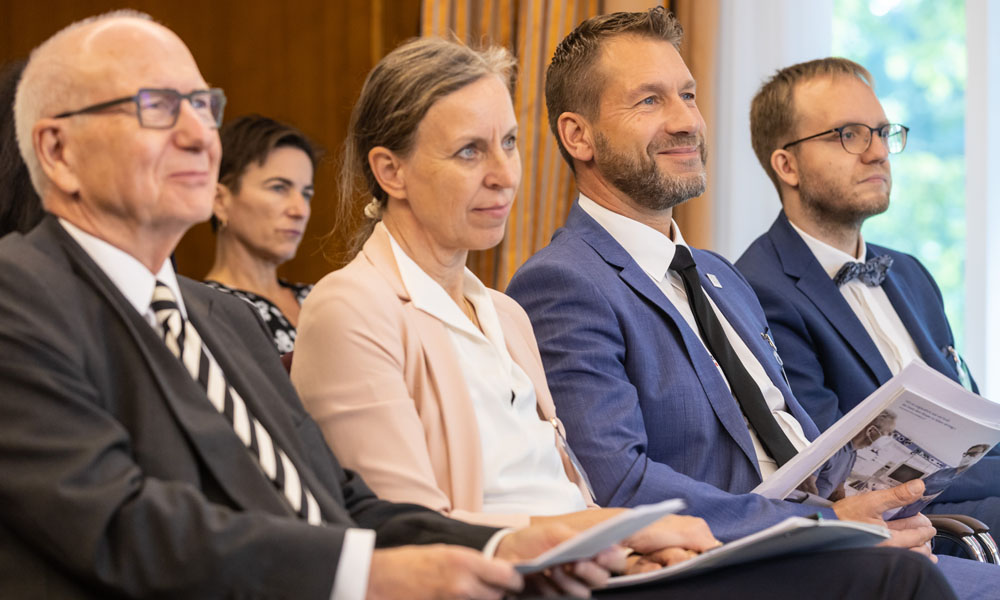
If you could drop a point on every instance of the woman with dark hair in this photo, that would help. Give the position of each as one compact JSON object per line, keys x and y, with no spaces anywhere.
{"x":261,"y":212}
{"x":20,"y":208}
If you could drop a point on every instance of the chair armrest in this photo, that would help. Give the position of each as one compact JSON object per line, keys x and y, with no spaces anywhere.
{"x":955,"y":530}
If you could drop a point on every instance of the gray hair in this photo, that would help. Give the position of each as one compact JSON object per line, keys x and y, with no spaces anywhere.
{"x":49,"y":85}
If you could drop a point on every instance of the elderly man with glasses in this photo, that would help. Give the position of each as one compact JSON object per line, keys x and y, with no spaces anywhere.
{"x":845,"y":315}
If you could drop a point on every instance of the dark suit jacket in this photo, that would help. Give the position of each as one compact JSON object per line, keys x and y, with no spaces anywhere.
{"x":118,"y":476}
{"x":645,"y":407}
{"x":831,"y":362}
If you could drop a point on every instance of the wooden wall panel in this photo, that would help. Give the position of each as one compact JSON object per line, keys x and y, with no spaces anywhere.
{"x":303,"y":62}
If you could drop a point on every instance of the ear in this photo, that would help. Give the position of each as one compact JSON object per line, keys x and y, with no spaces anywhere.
{"x":49,"y":139}
{"x":388,"y":170}
{"x":222,"y":203}
{"x":575,"y":133}
{"x":786,"y":166}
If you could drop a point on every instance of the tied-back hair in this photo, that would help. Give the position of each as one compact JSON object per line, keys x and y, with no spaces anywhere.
{"x":394,"y":99}
{"x":573,"y":81}
{"x":772,"y":111}
{"x":251,"y":139}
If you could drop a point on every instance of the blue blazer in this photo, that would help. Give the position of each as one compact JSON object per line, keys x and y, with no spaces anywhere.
{"x":646,"y":410}
{"x":831,"y":362}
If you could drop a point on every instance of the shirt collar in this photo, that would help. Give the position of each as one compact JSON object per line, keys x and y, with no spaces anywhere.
{"x":649,"y":248}
{"x":130,"y":276}
{"x":428,"y":295}
{"x":830,"y":258}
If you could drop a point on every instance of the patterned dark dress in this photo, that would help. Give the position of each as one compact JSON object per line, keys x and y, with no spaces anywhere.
{"x":281,"y":329}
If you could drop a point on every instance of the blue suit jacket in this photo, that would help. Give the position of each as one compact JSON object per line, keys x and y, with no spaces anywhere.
{"x":831,"y":362}
{"x":645,"y":407}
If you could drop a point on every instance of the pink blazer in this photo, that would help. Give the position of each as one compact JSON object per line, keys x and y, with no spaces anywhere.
{"x":382,"y":380}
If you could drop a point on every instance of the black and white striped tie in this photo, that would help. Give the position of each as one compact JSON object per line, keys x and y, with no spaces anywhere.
{"x":183,"y":340}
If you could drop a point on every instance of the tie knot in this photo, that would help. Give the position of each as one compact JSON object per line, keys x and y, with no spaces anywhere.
{"x":871,"y":272}
{"x":164,"y":305}
{"x":163,"y":298}
{"x":682,"y":259}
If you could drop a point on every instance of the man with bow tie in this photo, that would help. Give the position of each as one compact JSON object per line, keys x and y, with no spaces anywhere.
{"x":845,"y":315}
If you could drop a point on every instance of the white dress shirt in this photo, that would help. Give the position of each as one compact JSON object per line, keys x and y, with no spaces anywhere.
{"x":653,"y":252}
{"x":136,"y":283}
{"x":522,"y":469}
{"x":870,"y":304}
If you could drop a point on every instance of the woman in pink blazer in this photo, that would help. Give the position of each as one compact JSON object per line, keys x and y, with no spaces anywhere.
{"x":423,"y":380}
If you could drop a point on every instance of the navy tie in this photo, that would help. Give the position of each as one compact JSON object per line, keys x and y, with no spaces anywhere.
{"x":871,"y":272}
{"x":742,"y":384}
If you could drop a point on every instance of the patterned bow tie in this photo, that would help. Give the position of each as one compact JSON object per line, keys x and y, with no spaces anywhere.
{"x":871,"y":273}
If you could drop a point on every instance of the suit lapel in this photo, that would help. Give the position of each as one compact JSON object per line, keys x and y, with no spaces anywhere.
{"x":713,"y":384}
{"x":456,"y":409}
{"x":210,"y":436}
{"x":798,"y":262}
{"x":262,"y":398}
{"x":735,"y":308}
{"x":899,"y":294}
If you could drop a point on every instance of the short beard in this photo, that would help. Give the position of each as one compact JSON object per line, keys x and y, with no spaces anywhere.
{"x":830,"y":206}
{"x":640,"y":178}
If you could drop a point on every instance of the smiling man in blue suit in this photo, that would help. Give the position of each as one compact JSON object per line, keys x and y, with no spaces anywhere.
{"x":658,"y":355}
{"x":846,"y":315}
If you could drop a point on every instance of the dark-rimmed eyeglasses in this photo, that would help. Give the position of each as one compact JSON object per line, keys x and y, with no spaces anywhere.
{"x":159,"y":108}
{"x":856,"y":138}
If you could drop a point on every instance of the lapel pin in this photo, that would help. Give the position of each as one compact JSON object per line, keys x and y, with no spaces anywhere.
{"x":714,"y":280}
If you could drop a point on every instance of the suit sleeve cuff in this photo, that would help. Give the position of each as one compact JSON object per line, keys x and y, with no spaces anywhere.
{"x":351,"y":579}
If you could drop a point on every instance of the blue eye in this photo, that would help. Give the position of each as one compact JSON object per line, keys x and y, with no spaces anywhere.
{"x":468,"y":152}
{"x":510,"y":143}
{"x":650,"y":100}
{"x":688,"y":96}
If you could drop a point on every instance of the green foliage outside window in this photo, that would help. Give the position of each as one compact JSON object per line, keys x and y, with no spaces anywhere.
{"x":915,"y":49}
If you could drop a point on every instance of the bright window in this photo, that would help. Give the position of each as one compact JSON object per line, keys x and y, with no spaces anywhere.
{"x":916,"y":52}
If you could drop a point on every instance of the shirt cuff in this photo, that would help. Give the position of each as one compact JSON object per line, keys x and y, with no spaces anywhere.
{"x":351,"y":579}
{"x":491,"y":546}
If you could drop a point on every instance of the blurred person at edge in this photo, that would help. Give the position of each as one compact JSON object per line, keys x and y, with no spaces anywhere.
{"x":20,"y":207}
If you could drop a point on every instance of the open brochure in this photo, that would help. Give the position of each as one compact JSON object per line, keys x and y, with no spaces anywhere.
{"x":601,"y":536}
{"x":920,"y":424}
{"x":795,"y":535}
